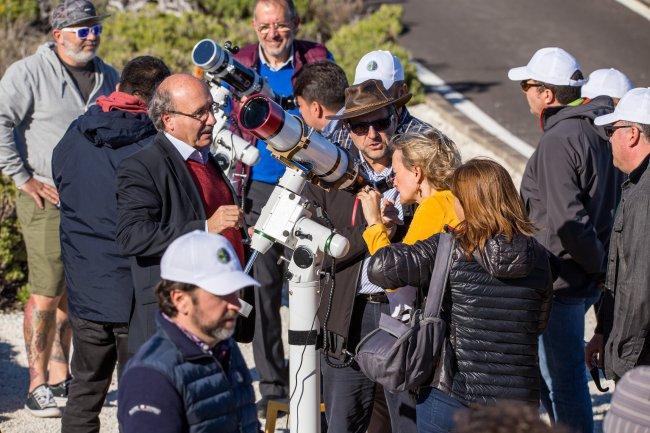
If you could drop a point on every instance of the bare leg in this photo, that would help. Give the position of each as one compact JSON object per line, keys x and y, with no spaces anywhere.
{"x":60,"y":355}
{"x":39,"y":329}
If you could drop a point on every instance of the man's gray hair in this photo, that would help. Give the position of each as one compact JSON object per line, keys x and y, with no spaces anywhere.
{"x":161,"y":103}
{"x":291,"y":7}
{"x":645,"y":130}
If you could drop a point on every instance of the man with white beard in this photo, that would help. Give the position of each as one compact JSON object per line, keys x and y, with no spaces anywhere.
{"x":190,"y":375}
{"x":40,"y":96}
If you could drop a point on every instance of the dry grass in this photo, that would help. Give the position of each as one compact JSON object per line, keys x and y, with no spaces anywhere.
{"x":20,"y":40}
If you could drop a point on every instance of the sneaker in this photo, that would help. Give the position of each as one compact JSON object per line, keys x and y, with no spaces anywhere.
{"x":41,"y":403}
{"x":60,"y":391}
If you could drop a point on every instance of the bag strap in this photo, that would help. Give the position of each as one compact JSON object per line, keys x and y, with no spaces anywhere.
{"x":438,"y":281}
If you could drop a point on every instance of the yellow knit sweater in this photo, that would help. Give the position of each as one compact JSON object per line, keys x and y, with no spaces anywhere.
{"x":430,"y":218}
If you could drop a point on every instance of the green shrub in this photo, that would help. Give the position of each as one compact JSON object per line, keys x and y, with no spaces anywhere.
{"x":18,"y":10}
{"x":13,"y":261}
{"x":378,"y":31}
{"x":168,"y":36}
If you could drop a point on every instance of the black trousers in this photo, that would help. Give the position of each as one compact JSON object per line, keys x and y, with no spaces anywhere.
{"x":349,"y":395}
{"x":98,"y":346}
{"x":268,"y":351}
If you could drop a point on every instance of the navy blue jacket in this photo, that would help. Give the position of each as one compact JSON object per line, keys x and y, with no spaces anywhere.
{"x":84,"y":167}
{"x":172,"y":386}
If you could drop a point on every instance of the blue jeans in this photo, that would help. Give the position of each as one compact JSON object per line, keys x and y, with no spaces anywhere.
{"x":435,"y":411}
{"x":562,"y":363}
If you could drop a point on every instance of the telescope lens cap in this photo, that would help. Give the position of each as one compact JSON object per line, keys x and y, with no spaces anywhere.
{"x":204,"y":52}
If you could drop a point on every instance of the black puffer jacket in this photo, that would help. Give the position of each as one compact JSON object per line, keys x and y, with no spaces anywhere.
{"x":495,"y":309}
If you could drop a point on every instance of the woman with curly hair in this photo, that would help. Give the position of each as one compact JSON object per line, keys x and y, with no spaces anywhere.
{"x":423,"y":164}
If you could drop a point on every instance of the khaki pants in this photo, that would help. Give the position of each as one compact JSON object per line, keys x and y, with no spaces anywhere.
{"x":40,"y":230}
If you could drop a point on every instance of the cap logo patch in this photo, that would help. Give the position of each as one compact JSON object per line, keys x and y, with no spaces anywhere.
{"x":223,"y":256}
{"x":372,"y":65}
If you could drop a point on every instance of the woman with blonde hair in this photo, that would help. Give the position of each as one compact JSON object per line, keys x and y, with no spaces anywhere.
{"x":422,"y":165}
{"x":496,"y":303}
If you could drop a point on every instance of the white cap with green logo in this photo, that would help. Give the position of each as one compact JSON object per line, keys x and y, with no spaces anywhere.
{"x":206,"y":260}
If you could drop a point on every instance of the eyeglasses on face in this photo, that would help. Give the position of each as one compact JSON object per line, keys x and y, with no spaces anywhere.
{"x":84,"y":32}
{"x":201,"y":115}
{"x":264,"y":29}
{"x":525,"y":85}
{"x":362,"y":128}
{"x":610,"y":130}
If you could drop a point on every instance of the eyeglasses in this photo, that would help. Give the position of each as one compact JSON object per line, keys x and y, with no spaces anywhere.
{"x":83,"y":32}
{"x":525,"y":85}
{"x":201,"y":115}
{"x":362,"y":128}
{"x":610,"y":130}
{"x":264,"y":29}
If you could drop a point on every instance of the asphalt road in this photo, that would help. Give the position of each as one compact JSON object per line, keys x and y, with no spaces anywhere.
{"x":471,"y":44}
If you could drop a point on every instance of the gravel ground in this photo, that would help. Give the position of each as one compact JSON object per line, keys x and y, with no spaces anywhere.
{"x":13,"y":362}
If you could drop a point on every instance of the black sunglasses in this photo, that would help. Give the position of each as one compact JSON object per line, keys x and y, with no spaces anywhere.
{"x":362,"y":128}
{"x":610,"y":130}
{"x":525,"y":85}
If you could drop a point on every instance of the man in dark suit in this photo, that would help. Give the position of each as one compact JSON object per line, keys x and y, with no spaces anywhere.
{"x":171,"y":188}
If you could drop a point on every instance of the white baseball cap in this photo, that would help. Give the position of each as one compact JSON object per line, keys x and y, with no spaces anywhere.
{"x":610,"y":82}
{"x":634,"y":106}
{"x":379,"y":65}
{"x":549,"y":65}
{"x":205,"y":260}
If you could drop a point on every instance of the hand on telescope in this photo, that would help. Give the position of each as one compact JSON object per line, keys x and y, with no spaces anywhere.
{"x":225,"y":217}
{"x":371,"y":205}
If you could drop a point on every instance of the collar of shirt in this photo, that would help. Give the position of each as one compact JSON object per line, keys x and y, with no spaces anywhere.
{"x":203,"y":346}
{"x":274,"y":68}
{"x":371,"y":173}
{"x":189,"y":152}
{"x":332,"y":125}
{"x":636,"y":174}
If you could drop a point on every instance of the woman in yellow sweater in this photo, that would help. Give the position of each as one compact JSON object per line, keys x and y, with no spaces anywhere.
{"x":423,"y":164}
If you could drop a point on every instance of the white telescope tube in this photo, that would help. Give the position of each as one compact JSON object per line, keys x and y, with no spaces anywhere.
{"x":286,"y":133}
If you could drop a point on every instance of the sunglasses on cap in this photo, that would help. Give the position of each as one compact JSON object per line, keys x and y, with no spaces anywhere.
{"x":610,"y":130}
{"x":84,"y":32}
{"x":362,"y":128}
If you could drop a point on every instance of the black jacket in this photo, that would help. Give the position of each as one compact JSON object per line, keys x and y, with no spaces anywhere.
{"x":157,"y":201}
{"x":339,"y":207}
{"x":628,"y":279}
{"x":84,"y":169}
{"x":570,"y":189}
{"x":495,"y":311}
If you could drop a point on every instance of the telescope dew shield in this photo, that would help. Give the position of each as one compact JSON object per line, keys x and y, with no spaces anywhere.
{"x":290,"y":142}
{"x":210,"y":57}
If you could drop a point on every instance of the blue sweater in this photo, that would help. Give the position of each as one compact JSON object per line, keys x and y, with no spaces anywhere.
{"x":269,"y":169}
